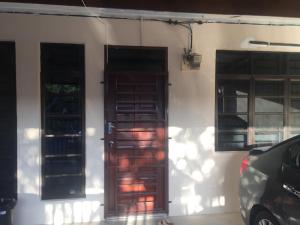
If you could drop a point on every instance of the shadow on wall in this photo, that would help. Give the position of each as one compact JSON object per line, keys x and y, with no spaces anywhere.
{"x":31,"y":209}
{"x":201,"y":181}
{"x":58,"y":212}
{"x":197,"y":183}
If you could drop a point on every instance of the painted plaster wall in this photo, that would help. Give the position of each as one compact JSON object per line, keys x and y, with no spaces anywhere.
{"x":201,"y":180}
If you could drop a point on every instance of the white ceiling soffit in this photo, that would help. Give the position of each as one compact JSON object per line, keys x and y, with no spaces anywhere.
{"x":6,"y":7}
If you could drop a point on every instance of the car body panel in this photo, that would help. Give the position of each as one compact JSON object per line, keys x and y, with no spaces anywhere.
{"x":291,"y":197}
{"x":262,"y":185}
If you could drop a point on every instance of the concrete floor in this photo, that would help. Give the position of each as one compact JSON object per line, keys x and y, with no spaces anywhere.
{"x":211,"y":219}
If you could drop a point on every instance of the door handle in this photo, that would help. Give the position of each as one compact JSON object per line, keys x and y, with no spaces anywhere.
{"x":111,"y":144}
{"x":110,"y":127}
{"x":292,"y":190}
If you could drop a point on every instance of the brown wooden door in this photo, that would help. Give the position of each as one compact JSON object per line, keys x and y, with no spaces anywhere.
{"x":136,"y":143}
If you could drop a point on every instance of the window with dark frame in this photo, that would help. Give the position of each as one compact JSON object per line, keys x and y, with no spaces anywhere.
{"x":257,"y":98}
{"x":8,"y":121}
{"x":63,"y":121}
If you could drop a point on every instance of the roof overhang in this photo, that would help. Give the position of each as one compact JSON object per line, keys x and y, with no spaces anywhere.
{"x":43,"y":9}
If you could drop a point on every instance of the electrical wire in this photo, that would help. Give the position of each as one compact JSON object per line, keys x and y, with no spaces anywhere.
{"x":187,"y":25}
{"x":104,"y":23}
{"x":90,"y":11}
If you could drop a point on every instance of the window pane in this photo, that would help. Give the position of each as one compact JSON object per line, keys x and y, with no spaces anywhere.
{"x":62,"y":57}
{"x":63,"y":126}
{"x":295,"y":120}
{"x":268,"y":104}
{"x":295,"y":105}
{"x":120,"y":59}
{"x":60,"y":187}
{"x":294,"y":133}
{"x":232,"y":105}
{"x":233,"y":87}
{"x":295,"y":88}
{"x":269,"y":121}
{"x":233,"y":62}
{"x":229,"y":122}
{"x":62,"y":98}
{"x":62,"y":146}
{"x":232,"y":140}
{"x":269,"y":88}
{"x":293,"y":63}
{"x":63,"y":166}
{"x":268,"y":63}
{"x":268,"y":137}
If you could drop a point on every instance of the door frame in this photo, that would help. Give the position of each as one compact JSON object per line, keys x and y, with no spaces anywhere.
{"x":164,"y":73}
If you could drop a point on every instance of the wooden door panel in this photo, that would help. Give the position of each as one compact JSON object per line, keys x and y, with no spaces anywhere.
{"x":127,"y":116}
{"x":141,"y":188}
{"x":136,"y":143}
{"x":137,"y":135}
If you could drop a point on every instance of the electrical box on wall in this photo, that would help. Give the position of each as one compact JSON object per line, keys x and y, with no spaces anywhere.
{"x":191,"y":61}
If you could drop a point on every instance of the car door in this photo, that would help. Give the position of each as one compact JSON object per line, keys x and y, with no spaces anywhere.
{"x":291,"y":184}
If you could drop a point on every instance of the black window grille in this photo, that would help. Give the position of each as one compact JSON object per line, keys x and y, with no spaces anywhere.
{"x":63,"y":121}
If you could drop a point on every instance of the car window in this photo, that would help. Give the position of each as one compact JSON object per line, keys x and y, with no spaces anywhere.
{"x":294,"y":156}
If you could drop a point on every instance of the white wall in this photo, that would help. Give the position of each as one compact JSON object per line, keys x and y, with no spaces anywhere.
{"x":201,"y":180}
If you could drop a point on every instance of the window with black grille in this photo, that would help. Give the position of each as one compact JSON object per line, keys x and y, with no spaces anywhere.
{"x":257,"y":98}
{"x":8,"y":121}
{"x":63,"y":116}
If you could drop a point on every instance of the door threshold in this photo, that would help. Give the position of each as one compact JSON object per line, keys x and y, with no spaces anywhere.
{"x":137,"y":217}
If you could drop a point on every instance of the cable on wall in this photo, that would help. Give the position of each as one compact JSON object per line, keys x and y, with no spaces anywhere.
{"x":102,"y":22}
{"x":190,"y":59}
{"x":188,"y":26}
